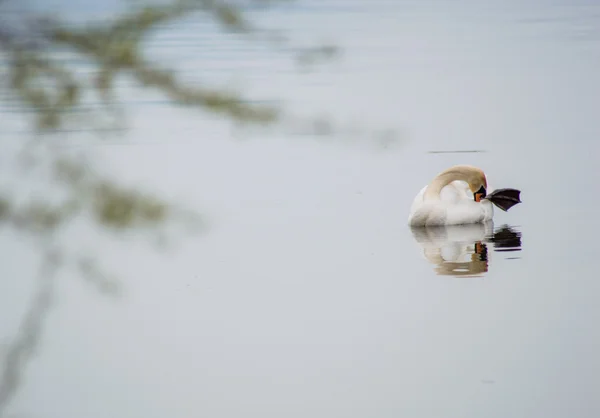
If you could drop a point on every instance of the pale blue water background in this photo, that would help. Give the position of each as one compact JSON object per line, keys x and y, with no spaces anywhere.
{"x":309,"y":296}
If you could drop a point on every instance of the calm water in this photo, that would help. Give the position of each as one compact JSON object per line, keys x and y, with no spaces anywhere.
{"x":308,"y":296}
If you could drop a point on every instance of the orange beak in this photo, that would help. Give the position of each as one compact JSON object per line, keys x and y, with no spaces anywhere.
{"x":478,"y":197}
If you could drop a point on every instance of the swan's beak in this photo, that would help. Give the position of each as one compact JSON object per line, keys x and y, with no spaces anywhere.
{"x":504,"y":198}
{"x":479,"y":194}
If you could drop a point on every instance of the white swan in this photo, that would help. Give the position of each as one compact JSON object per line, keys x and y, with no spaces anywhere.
{"x":458,"y":196}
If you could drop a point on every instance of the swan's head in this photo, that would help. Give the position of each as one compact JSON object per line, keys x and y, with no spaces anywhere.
{"x":478,"y":185}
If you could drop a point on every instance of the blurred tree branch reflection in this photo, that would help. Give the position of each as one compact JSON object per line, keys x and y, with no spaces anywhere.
{"x":45,"y":59}
{"x":40,"y":75}
{"x":22,"y":349}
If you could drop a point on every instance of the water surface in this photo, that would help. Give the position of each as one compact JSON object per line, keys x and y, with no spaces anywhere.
{"x":309,"y":295}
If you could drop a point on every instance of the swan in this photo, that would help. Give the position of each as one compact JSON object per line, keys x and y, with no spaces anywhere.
{"x":457,"y":196}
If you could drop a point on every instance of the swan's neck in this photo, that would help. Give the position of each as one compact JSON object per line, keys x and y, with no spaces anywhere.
{"x":441,"y":181}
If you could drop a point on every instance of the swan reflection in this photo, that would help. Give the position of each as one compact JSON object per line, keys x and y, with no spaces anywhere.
{"x":462,"y":250}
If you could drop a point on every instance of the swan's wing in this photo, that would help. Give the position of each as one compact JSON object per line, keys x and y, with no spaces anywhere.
{"x":418,"y":200}
{"x":455,"y":192}
{"x":422,"y":211}
{"x":467,"y":211}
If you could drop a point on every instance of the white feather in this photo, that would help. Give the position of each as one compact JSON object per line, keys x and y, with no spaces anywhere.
{"x":455,"y":206}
